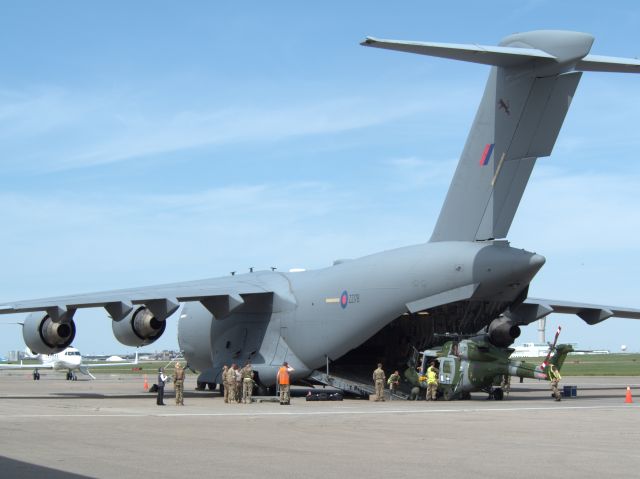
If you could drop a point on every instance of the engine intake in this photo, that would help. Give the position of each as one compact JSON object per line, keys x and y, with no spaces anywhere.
{"x":45,"y":336}
{"x":138,"y":328}
{"x":503,"y":332}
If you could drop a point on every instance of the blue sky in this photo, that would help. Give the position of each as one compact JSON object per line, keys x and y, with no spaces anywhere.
{"x":150,"y":142}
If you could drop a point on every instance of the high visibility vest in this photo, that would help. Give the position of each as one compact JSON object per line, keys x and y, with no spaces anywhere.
{"x":554,"y":375}
{"x":432,"y":377}
{"x":283,"y":375}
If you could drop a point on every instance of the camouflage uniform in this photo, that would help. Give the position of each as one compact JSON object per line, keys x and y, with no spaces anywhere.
{"x":231,"y":384}
{"x":432,"y":383}
{"x":393,"y":382}
{"x":554,"y":377}
{"x":247,"y":384}
{"x":178,"y":384}
{"x":238,"y":385}
{"x":378,"y":379}
{"x":225,"y":383}
{"x":284,"y":383}
{"x":505,"y":384}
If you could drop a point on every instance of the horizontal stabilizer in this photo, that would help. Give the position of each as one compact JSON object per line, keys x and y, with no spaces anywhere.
{"x":598,"y":63}
{"x":486,"y":55}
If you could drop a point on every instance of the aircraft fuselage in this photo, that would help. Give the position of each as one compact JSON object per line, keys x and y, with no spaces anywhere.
{"x":320,"y":314}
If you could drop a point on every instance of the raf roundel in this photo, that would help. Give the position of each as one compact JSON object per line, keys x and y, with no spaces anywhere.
{"x":344,"y":299}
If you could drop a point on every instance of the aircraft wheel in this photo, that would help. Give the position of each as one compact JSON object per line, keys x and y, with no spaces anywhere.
{"x":201,"y":386}
{"x":212,"y":386}
{"x":498,"y":394}
{"x":465,"y":396}
{"x":447,"y":396}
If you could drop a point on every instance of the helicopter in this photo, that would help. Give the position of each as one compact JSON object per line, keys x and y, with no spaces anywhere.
{"x":478,"y":364}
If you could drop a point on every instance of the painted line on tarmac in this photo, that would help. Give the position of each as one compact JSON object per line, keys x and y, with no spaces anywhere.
{"x":318,"y":413}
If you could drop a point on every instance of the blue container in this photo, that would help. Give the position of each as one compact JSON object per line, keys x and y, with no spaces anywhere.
{"x":570,"y":391}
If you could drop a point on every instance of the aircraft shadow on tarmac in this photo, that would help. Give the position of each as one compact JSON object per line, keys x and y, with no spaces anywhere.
{"x":81,"y":395}
{"x":25,"y":470}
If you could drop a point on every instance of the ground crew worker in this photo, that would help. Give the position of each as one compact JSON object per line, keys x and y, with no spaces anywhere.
{"x":162,"y":378}
{"x":284,"y":383}
{"x":505,"y":384}
{"x":554,"y":377}
{"x":238,"y":384}
{"x":178,"y":384}
{"x":393,"y":382}
{"x":231,"y":383}
{"x":247,"y":383}
{"x":378,"y":379}
{"x":432,"y":382}
{"x":225,"y":383}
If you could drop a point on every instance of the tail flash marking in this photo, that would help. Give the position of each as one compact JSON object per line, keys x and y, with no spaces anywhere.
{"x":486,"y":154}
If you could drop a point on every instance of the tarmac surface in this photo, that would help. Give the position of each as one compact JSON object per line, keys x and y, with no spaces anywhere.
{"x":111,"y":428}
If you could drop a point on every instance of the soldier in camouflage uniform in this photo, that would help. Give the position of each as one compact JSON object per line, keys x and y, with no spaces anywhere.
{"x":178,"y":384}
{"x":238,"y":384}
{"x":393,"y":382}
{"x":225,"y":383}
{"x":247,"y":383}
{"x":554,"y":377}
{"x":378,"y":379}
{"x":231,"y":383}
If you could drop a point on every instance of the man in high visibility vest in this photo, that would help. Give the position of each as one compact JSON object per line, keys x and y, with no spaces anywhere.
{"x":432,"y":382}
{"x":554,"y":377}
{"x":283,"y":383}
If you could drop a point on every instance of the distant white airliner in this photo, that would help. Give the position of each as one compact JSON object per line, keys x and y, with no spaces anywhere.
{"x":69,"y":359}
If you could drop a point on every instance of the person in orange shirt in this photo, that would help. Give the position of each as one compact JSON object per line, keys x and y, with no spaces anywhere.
{"x":283,"y":383}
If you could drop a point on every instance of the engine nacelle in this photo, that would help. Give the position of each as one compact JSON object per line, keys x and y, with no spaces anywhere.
{"x":503,"y":332}
{"x":45,"y":336}
{"x":138,"y":328}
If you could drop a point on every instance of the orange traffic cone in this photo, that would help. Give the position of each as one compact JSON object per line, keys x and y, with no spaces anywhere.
{"x":146,"y":383}
{"x":628,"y":398}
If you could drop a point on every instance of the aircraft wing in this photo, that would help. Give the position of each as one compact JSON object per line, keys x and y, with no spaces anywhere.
{"x":535,"y":308}
{"x":220,"y":296}
{"x":26,"y":366}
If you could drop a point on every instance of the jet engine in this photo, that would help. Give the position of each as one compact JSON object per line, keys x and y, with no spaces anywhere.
{"x":138,"y":328}
{"x":503,"y":332}
{"x":45,"y":336}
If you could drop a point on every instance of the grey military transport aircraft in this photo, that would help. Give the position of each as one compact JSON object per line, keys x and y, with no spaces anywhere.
{"x":376,"y":308}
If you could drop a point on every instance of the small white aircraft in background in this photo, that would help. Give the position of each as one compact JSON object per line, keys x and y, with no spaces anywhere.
{"x":69,"y":359}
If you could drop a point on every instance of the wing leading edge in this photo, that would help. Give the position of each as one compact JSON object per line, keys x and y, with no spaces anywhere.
{"x":535,"y":308}
{"x":220,"y":296}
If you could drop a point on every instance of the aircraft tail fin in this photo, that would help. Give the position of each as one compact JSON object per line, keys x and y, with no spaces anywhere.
{"x":528,"y":93}
{"x":561,"y":352}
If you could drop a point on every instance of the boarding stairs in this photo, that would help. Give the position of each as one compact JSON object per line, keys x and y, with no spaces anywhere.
{"x":351,"y":386}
